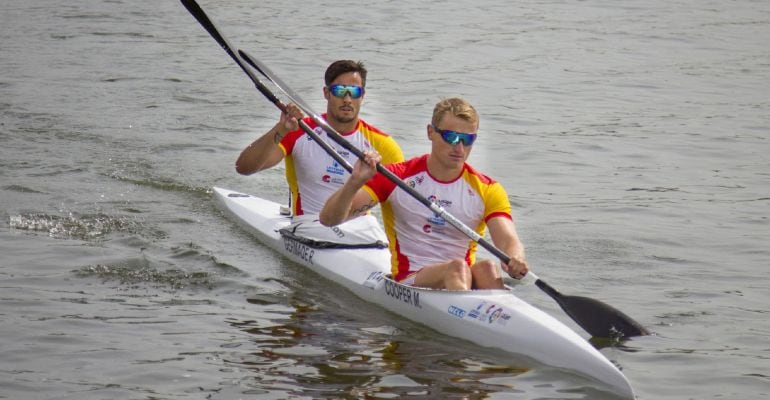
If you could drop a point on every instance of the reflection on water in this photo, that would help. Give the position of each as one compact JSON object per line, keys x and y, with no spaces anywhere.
{"x":298,"y":354}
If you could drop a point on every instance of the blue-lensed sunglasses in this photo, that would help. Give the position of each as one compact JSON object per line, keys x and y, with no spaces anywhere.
{"x":453,"y":137}
{"x":340,"y":91}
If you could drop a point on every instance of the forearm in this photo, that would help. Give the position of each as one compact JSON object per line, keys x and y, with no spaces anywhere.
{"x":514,"y":248}
{"x":260,"y":154}
{"x":338,"y":206}
{"x":505,"y":237}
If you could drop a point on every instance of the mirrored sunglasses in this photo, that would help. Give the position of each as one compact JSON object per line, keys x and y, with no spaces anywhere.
{"x":340,"y":91}
{"x":453,"y":137}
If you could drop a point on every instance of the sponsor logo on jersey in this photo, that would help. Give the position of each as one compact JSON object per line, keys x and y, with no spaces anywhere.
{"x":335,"y":169}
{"x":415,"y":181}
{"x":437,"y":220}
{"x":337,"y":180}
{"x":343,"y":152}
{"x":441,"y":203}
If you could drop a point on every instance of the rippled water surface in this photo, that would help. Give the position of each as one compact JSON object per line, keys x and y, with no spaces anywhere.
{"x":632,"y":138}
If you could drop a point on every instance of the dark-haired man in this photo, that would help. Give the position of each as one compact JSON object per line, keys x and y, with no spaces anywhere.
{"x":312,"y":174}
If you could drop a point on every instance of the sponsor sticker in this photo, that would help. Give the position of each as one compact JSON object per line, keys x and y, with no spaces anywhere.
{"x":456,"y":311}
{"x":373,"y":280}
{"x":489,"y":313}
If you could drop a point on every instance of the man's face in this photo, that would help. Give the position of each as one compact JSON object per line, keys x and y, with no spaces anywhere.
{"x":344,"y":109}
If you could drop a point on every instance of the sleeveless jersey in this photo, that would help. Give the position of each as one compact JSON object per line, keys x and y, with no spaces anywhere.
{"x":417,"y":236}
{"x":313,"y":175}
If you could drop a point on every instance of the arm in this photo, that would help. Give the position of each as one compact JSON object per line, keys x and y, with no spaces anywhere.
{"x":504,"y":236}
{"x":350,"y":200}
{"x":264,"y":152}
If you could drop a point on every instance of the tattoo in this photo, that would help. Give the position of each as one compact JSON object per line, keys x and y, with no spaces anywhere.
{"x":277,"y":137}
{"x":363,"y":209}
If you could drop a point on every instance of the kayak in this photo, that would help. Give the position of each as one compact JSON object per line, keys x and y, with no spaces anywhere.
{"x":490,"y":318}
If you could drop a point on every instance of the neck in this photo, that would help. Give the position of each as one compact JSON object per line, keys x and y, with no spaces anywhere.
{"x":444,"y":173}
{"x":342,"y":127}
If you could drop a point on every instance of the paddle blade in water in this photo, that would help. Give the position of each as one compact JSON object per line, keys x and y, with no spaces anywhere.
{"x":600,"y":319}
{"x":596,"y":318}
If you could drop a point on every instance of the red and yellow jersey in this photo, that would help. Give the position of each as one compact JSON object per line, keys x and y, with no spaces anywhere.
{"x":417,"y":236}
{"x":314,"y":175}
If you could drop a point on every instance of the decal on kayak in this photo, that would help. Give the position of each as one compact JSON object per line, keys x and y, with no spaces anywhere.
{"x":402,"y":293}
{"x":374,"y":280}
{"x":298,"y":249}
{"x":456,"y":311}
{"x":489,"y":314}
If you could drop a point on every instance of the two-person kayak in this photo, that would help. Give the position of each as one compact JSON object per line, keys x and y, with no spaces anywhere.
{"x":490,"y":318}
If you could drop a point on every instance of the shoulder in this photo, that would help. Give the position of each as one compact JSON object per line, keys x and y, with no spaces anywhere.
{"x":383,"y":186}
{"x":478,"y":175}
{"x":409,"y":167}
{"x":367,"y":128}
{"x":487,"y":187}
{"x":384,"y":143}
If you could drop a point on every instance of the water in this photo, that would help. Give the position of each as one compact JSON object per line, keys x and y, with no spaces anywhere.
{"x":632,"y":138}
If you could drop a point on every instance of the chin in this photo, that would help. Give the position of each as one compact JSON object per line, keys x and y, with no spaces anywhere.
{"x":345,"y":118}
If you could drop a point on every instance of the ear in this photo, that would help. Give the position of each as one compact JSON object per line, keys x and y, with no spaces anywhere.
{"x":326,"y":93}
{"x":429,"y":129}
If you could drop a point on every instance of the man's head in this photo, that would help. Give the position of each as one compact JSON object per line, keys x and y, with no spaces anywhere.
{"x":344,"y":91}
{"x":452,"y":132}
{"x":340,"y":67}
{"x":456,"y":107}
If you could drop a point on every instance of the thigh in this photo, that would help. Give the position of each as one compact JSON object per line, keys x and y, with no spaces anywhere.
{"x":432,"y":276}
{"x":452,"y":275}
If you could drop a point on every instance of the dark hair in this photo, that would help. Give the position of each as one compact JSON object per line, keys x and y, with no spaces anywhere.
{"x":340,"y":67}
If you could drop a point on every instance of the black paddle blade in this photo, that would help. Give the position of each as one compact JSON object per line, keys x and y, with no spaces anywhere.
{"x":197,"y":12}
{"x":597,"y":318}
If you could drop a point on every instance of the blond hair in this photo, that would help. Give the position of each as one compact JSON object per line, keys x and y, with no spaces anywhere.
{"x":457,"y":107}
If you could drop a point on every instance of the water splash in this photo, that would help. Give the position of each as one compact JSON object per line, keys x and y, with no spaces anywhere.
{"x":133,"y":275}
{"x":84,"y":227}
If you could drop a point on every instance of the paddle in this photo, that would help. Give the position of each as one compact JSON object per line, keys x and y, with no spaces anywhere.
{"x":597,"y":318}
{"x":197,"y":12}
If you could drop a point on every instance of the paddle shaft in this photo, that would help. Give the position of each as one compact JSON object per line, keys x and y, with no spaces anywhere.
{"x":473,"y":235}
{"x":197,"y":12}
{"x":597,"y":318}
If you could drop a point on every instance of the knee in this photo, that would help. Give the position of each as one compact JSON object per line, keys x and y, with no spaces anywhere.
{"x":486,"y":267}
{"x":486,"y":275}
{"x":459,"y":269}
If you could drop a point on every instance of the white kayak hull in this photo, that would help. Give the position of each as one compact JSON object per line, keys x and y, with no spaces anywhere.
{"x":490,"y":318}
